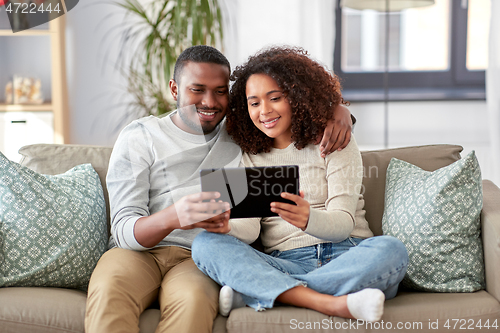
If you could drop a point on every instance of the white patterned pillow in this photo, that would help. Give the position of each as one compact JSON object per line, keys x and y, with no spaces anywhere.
{"x":437,"y":216}
{"x":52,"y":228}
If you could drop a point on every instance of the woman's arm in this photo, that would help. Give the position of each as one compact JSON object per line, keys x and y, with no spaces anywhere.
{"x":344,"y":172}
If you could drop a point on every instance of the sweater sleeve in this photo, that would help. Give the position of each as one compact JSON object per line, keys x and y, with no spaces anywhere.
{"x":343,"y":175}
{"x":128,"y":183}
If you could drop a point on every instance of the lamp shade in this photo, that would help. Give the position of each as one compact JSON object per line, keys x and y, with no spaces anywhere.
{"x":380,"y":5}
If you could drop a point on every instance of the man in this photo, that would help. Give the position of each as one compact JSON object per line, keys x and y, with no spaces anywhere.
{"x":157,"y":208}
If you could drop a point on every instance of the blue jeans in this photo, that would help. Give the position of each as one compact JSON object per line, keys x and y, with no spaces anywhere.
{"x":329,"y":268}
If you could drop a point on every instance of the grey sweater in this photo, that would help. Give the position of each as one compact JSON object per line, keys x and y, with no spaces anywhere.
{"x":153,"y":165}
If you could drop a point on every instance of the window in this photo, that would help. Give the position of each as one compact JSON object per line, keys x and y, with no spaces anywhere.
{"x":434,"y":52}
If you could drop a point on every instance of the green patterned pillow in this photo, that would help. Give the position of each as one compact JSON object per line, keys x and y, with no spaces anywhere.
{"x":437,"y":216}
{"x":52,"y":228}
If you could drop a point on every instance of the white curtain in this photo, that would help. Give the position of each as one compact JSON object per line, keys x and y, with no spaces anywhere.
{"x":253,"y":25}
{"x":493,"y":89}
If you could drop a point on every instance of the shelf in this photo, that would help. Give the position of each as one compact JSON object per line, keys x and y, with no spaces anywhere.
{"x":49,"y":36}
{"x":29,"y":32}
{"x":25,"y":107}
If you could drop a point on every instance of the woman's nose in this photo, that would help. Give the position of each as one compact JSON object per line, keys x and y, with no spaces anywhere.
{"x":265,"y":108}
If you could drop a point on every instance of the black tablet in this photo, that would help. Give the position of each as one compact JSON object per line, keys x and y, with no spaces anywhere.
{"x":251,"y":190}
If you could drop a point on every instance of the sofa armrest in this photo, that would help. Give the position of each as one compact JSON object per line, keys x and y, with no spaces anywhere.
{"x":490,"y":226}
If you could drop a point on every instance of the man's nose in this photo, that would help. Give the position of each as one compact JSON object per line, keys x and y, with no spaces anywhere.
{"x":209,"y":99}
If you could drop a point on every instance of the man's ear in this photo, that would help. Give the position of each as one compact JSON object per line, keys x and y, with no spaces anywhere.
{"x":173,"y":89}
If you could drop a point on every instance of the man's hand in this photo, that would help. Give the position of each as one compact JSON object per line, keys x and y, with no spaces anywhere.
{"x":298,"y":215}
{"x":199,"y":210}
{"x":194,"y":208}
{"x":217,"y":224}
{"x":337,"y":134}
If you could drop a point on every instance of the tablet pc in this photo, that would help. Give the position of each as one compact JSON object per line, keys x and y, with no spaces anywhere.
{"x":251,"y":190}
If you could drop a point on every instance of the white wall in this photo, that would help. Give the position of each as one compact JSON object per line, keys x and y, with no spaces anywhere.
{"x":417,"y":123}
{"x":309,"y":24}
{"x":96,"y":91}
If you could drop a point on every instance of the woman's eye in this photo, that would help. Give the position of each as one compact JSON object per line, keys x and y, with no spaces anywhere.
{"x":274,"y":99}
{"x":254,"y":104}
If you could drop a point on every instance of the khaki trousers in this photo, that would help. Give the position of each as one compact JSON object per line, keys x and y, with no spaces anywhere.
{"x":124,"y":283}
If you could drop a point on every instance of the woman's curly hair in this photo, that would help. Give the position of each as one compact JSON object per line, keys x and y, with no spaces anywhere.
{"x":312,"y":91}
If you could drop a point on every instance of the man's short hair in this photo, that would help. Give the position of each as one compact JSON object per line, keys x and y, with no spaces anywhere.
{"x":200,"y":54}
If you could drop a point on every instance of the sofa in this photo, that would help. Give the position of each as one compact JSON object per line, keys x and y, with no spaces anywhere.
{"x":37,"y":310}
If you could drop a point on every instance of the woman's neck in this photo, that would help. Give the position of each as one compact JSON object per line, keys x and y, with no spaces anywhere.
{"x":281,"y":144}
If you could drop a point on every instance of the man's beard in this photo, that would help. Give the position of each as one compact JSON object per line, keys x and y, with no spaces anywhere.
{"x":196,"y":125}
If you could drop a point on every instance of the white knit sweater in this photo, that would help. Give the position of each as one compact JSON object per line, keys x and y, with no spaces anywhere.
{"x":332,"y":186}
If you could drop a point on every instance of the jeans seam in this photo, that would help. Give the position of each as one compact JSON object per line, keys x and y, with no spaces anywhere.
{"x":397,"y":270}
{"x":352,"y":242}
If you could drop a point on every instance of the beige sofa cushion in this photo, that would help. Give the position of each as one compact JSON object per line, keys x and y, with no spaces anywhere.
{"x":413,"y":312}
{"x":375,"y":165}
{"x":41,"y":310}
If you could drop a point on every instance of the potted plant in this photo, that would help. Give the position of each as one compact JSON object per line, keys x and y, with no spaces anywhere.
{"x":158,"y":31}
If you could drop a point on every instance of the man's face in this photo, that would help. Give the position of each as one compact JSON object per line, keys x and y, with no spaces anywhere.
{"x":204,"y":85}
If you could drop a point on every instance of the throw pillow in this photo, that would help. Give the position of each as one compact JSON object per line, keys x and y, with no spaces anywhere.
{"x":437,"y":216}
{"x":52,"y":228}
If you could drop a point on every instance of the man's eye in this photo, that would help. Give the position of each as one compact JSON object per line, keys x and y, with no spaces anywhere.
{"x":196,"y":90}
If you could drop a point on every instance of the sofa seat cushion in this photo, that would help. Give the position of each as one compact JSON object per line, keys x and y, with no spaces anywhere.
{"x":415,"y":310}
{"x":427,"y":307}
{"x":27,"y":310}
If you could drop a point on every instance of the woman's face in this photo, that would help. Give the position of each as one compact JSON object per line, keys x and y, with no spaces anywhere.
{"x":269,"y":109}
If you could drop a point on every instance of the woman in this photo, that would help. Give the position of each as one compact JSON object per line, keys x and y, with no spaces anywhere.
{"x":319,"y":253}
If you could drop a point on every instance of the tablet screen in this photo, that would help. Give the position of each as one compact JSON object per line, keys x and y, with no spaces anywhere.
{"x":251,"y":190}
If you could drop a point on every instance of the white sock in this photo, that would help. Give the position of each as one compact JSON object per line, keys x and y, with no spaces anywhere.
{"x":366,"y":304}
{"x":228,"y":300}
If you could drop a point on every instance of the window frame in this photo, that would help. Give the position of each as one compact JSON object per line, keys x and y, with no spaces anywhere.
{"x":456,"y":83}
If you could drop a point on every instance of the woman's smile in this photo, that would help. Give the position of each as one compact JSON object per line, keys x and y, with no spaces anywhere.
{"x":270,"y":123}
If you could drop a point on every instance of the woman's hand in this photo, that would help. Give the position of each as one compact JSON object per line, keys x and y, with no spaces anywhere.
{"x":297,"y":215}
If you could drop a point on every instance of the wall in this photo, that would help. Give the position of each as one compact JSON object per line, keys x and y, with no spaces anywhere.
{"x":96,"y":90}
{"x":417,"y":123}
{"x":98,"y":104}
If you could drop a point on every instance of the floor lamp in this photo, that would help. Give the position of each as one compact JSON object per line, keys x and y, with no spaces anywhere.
{"x":385,"y":6}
